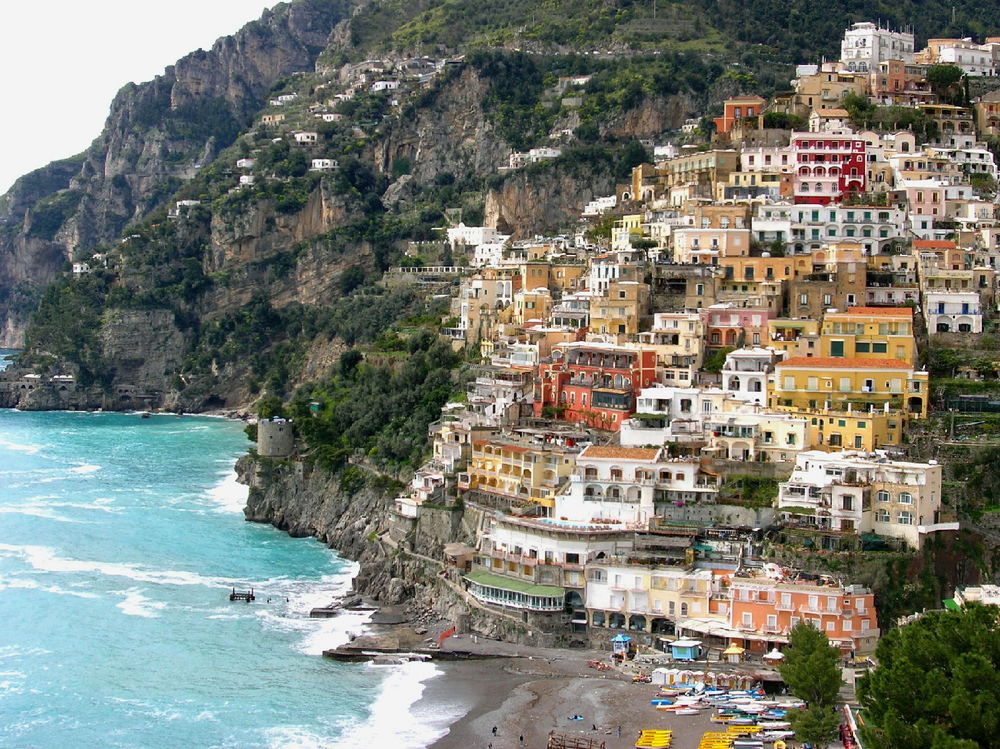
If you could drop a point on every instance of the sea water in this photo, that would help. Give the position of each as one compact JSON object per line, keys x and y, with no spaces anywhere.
{"x":120,"y":540}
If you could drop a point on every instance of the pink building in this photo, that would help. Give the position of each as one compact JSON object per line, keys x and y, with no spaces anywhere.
{"x":734,"y":326}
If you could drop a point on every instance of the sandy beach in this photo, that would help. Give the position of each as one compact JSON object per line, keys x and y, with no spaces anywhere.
{"x":532,"y":696}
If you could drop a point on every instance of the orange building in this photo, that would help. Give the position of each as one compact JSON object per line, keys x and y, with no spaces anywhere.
{"x":736,"y":109}
{"x":766,"y":610}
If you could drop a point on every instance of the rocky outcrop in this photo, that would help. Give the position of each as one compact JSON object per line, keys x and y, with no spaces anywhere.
{"x":156,"y":136}
{"x":547,"y":198}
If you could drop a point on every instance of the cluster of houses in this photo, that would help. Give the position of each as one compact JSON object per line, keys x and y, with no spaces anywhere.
{"x":737,"y":366}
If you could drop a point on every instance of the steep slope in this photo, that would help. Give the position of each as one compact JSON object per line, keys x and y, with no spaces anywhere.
{"x":156,"y":137}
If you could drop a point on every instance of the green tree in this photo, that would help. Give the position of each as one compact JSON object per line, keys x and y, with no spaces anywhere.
{"x":816,"y":725}
{"x":810,"y":669}
{"x":937,"y":684}
{"x":944,"y":80}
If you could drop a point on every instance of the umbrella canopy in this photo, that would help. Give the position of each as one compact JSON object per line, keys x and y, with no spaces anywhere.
{"x":621,"y":638}
{"x":734,"y":650}
{"x":774,"y":655}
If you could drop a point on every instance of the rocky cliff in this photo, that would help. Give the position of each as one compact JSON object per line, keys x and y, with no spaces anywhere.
{"x":157,"y":135}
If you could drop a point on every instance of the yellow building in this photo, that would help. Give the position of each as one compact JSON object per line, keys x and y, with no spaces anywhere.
{"x":869,"y":333}
{"x":860,"y":430}
{"x":797,"y":337}
{"x":513,"y":473}
{"x":836,"y":383}
{"x":532,"y":304}
{"x":625,"y":230}
{"x":621,"y":311}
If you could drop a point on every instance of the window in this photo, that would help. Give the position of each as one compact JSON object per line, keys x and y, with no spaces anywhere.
{"x":905,"y":498}
{"x":905,"y":518}
{"x":882,"y":496}
{"x":747,"y":619}
{"x":881,"y":516}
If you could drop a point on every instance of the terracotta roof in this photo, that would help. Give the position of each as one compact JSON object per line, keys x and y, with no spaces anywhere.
{"x":840,"y":362}
{"x":884,"y":311}
{"x":833,"y":113}
{"x":928,"y":244}
{"x":625,"y":453}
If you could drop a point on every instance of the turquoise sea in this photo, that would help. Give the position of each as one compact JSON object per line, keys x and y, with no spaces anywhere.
{"x":120,"y":539}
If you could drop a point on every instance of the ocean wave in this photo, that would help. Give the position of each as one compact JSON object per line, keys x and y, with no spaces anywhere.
{"x":15,"y":651}
{"x":229,"y":495}
{"x":45,"y":559}
{"x":36,"y":511}
{"x":20,"y":583}
{"x":394,"y":720}
{"x":22,"y":448}
{"x":136,"y":604}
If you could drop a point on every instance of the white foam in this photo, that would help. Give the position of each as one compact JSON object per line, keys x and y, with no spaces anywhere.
{"x":393,"y":720}
{"x":229,"y":495}
{"x":45,"y":560}
{"x":295,"y":737}
{"x":85,"y":468}
{"x":136,"y":604}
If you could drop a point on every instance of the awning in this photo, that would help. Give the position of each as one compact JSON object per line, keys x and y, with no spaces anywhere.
{"x":685,"y":643}
{"x":733,"y":650}
{"x":481,"y":577}
{"x":951,"y":604}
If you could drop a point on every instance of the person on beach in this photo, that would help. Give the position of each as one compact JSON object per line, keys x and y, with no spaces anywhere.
{"x":494,"y":731}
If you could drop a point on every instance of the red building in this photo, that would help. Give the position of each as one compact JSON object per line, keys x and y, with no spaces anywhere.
{"x":593,"y":383}
{"x":827,"y":167}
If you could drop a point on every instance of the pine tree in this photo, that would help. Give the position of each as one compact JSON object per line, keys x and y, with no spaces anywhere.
{"x":810,"y":669}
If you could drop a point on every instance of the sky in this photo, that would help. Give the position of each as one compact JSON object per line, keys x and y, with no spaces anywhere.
{"x":62,"y":61}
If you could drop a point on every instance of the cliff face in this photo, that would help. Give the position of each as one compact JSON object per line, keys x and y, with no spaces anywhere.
{"x":156,"y":136}
{"x":449,"y":133}
{"x":530,"y":203}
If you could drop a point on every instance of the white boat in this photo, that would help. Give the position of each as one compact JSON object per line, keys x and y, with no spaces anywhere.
{"x":687,"y":711}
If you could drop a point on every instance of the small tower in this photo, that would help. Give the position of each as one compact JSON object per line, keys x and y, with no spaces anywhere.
{"x":275,"y":438}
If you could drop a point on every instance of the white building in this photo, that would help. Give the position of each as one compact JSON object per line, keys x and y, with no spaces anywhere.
{"x":306,"y":138}
{"x":246,"y":180}
{"x":863,"y":493}
{"x":471,"y":236}
{"x":866,"y":44}
{"x":246,"y":163}
{"x":974,"y":59}
{"x":613,"y":484}
{"x":744,"y":375}
{"x":323,"y":165}
{"x":379,"y":86}
{"x":953,"y":312}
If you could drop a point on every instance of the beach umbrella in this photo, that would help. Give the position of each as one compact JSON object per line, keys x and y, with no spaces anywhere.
{"x":774,"y":655}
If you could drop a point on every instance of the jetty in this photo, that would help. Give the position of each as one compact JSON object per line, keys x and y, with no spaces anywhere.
{"x":247,"y":596}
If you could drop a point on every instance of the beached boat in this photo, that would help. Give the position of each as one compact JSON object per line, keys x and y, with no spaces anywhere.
{"x":687,"y":711}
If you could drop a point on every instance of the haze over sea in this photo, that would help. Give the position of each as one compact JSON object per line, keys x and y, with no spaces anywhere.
{"x":120,"y":539}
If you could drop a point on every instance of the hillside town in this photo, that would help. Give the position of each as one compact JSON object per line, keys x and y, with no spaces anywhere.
{"x":726,"y":355}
